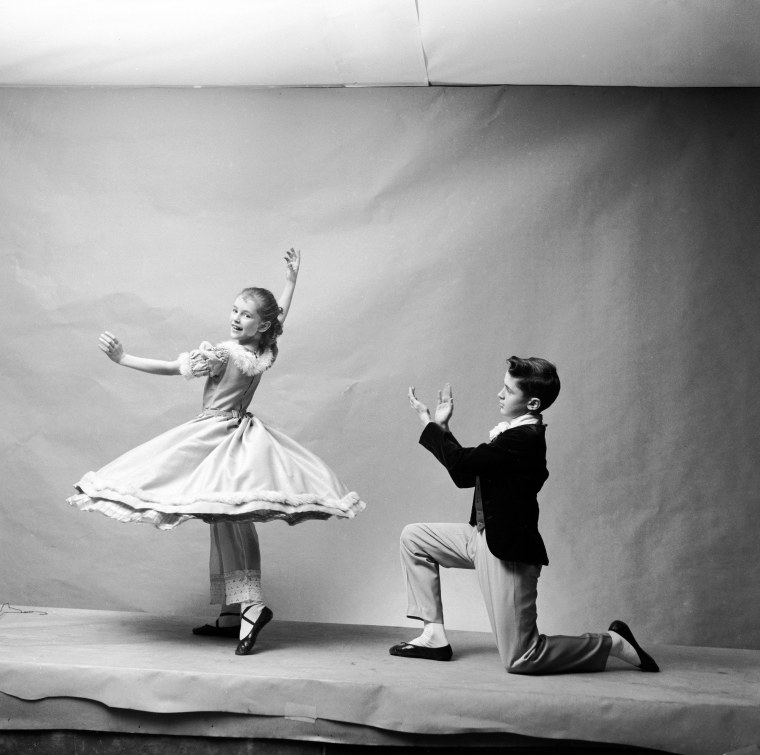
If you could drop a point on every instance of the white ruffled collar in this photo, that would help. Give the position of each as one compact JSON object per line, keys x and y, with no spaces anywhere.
{"x":525,"y":419}
{"x":498,"y":430}
{"x":245,"y":360}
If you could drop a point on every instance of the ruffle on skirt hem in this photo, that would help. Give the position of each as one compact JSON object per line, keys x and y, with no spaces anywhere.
{"x":265,"y":507}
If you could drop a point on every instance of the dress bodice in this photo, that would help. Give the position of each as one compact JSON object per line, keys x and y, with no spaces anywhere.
{"x":231,"y":389}
{"x":232,"y":372}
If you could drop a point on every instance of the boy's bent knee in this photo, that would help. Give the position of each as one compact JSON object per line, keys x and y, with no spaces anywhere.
{"x":409,"y":533}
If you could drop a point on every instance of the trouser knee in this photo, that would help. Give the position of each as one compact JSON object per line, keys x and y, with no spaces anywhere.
{"x":409,"y":536}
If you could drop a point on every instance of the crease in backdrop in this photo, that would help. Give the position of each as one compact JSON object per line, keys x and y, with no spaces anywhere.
{"x":612,"y":231}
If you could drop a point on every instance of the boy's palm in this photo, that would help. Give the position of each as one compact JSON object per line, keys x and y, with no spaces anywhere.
{"x":445,"y":407}
{"x":443,"y":413}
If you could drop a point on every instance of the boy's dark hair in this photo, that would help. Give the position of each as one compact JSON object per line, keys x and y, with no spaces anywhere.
{"x":536,"y":378}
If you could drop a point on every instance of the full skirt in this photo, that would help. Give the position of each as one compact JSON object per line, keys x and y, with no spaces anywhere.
{"x":216,"y":469}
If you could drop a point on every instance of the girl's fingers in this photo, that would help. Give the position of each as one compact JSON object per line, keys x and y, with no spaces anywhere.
{"x":108,"y":343}
{"x":293,"y":256}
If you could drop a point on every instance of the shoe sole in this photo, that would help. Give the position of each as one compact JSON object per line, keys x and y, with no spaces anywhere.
{"x":407,"y":650}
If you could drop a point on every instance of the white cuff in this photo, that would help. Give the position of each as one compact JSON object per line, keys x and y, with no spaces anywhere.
{"x":185,"y":366}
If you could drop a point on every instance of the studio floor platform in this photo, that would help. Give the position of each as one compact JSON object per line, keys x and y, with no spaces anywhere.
{"x":133,"y":673}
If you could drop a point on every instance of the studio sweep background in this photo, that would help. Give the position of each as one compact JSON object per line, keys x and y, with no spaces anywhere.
{"x":613,"y":231}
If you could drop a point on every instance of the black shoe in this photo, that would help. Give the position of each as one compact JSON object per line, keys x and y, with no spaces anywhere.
{"x":245,"y":646}
{"x":214,"y":630}
{"x":407,"y":650}
{"x":647,"y":662}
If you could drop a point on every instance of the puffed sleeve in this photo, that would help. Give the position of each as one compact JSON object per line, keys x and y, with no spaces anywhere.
{"x":204,"y":361}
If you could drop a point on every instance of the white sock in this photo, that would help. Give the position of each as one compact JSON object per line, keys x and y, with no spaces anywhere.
{"x":623,"y":649}
{"x":252,"y":615}
{"x":233,"y":619}
{"x":433,"y":636}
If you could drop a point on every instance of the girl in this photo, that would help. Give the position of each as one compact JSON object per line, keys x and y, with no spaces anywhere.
{"x":225,"y":466}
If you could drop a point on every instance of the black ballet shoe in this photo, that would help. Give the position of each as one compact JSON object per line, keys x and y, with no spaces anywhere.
{"x":245,"y":646}
{"x":407,"y":650}
{"x":214,"y":630}
{"x":647,"y":662}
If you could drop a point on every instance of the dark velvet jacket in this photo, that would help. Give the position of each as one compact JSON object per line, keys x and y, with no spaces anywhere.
{"x":512,"y":469}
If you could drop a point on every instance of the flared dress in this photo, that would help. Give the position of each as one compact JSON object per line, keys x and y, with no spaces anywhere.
{"x":223,"y":465}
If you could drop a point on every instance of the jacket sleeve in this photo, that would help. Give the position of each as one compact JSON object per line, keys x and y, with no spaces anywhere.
{"x":465,"y":464}
{"x":441,"y":444}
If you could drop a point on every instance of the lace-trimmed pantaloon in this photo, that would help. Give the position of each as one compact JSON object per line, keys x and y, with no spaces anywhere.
{"x":235,"y":563}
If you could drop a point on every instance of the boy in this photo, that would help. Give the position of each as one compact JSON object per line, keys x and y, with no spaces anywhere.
{"x":501,"y":541}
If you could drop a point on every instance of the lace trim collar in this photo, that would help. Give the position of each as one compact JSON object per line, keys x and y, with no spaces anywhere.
{"x":246,"y":361}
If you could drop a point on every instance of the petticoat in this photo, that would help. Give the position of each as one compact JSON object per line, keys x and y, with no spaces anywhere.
{"x":221,"y":465}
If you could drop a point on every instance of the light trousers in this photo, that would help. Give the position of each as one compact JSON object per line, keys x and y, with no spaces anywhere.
{"x":509,"y":589}
{"x":235,"y":563}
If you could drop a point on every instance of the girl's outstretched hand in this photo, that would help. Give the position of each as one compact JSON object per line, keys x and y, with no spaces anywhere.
{"x":109,"y":343}
{"x":292,"y":263}
{"x":418,"y":406}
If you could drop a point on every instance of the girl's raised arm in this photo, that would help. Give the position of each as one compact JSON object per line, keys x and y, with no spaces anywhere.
{"x":113,"y":349}
{"x":292,"y":263}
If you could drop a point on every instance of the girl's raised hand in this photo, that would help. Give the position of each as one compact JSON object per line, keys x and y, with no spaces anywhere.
{"x":109,"y":343}
{"x":292,"y":263}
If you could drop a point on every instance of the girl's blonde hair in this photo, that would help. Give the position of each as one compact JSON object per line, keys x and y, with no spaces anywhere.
{"x":269,"y":311}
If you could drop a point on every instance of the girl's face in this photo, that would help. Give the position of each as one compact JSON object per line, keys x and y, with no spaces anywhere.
{"x":246,"y":326}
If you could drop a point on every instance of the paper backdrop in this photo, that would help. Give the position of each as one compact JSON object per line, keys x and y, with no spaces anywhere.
{"x":613,"y":231}
{"x":379,"y":43}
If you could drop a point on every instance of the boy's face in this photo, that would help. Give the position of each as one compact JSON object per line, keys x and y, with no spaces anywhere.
{"x":513,"y":402}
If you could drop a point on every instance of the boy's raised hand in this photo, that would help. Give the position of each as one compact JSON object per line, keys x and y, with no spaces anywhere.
{"x":445,"y":407}
{"x":418,"y":406}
